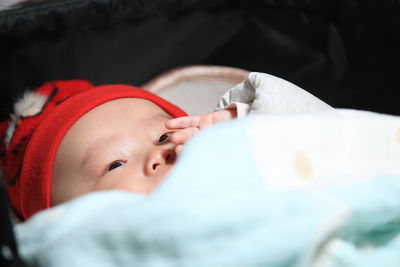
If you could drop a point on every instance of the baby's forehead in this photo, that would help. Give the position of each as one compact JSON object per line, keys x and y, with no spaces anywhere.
{"x":119,"y":114}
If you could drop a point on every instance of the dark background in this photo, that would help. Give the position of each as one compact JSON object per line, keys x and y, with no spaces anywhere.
{"x":344,"y":52}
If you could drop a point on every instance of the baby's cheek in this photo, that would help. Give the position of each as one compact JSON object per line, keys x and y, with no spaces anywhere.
{"x":66,"y":187}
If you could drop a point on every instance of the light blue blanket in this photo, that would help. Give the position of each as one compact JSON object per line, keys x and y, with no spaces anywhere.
{"x":303,"y":190}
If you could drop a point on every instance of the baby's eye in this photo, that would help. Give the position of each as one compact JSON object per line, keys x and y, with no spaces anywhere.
{"x":115,"y":165}
{"x":164,"y":137}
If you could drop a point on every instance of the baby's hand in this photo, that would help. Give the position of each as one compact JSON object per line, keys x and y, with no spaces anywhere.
{"x":187,"y":127}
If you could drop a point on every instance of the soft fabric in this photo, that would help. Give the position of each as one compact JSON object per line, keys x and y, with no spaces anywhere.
{"x":195,"y":88}
{"x":311,"y":189}
{"x":268,"y":94}
{"x":41,"y":118}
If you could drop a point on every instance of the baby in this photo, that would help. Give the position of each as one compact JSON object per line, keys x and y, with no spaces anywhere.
{"x":70,"y":138}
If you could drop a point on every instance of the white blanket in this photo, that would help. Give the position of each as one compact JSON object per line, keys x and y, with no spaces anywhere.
{"x":261,"y":93}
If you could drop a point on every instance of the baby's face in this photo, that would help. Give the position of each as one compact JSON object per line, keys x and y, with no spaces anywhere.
{"x":116,"y":145}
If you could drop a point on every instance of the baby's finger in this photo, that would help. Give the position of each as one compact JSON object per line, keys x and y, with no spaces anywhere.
{"x":183,"y":122}
{"x":180,"y":137}
{"x":217,"y":117}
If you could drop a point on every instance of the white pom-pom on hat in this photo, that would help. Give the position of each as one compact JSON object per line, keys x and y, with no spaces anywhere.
{"x":30,"y":104}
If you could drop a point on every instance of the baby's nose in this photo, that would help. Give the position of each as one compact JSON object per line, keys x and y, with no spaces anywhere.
{"x":160,"y":160}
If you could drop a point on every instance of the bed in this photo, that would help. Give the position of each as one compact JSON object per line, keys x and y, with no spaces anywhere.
{"x":294,"y":183}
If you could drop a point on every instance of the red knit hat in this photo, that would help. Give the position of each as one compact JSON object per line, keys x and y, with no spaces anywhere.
{"x":31,"y":136}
